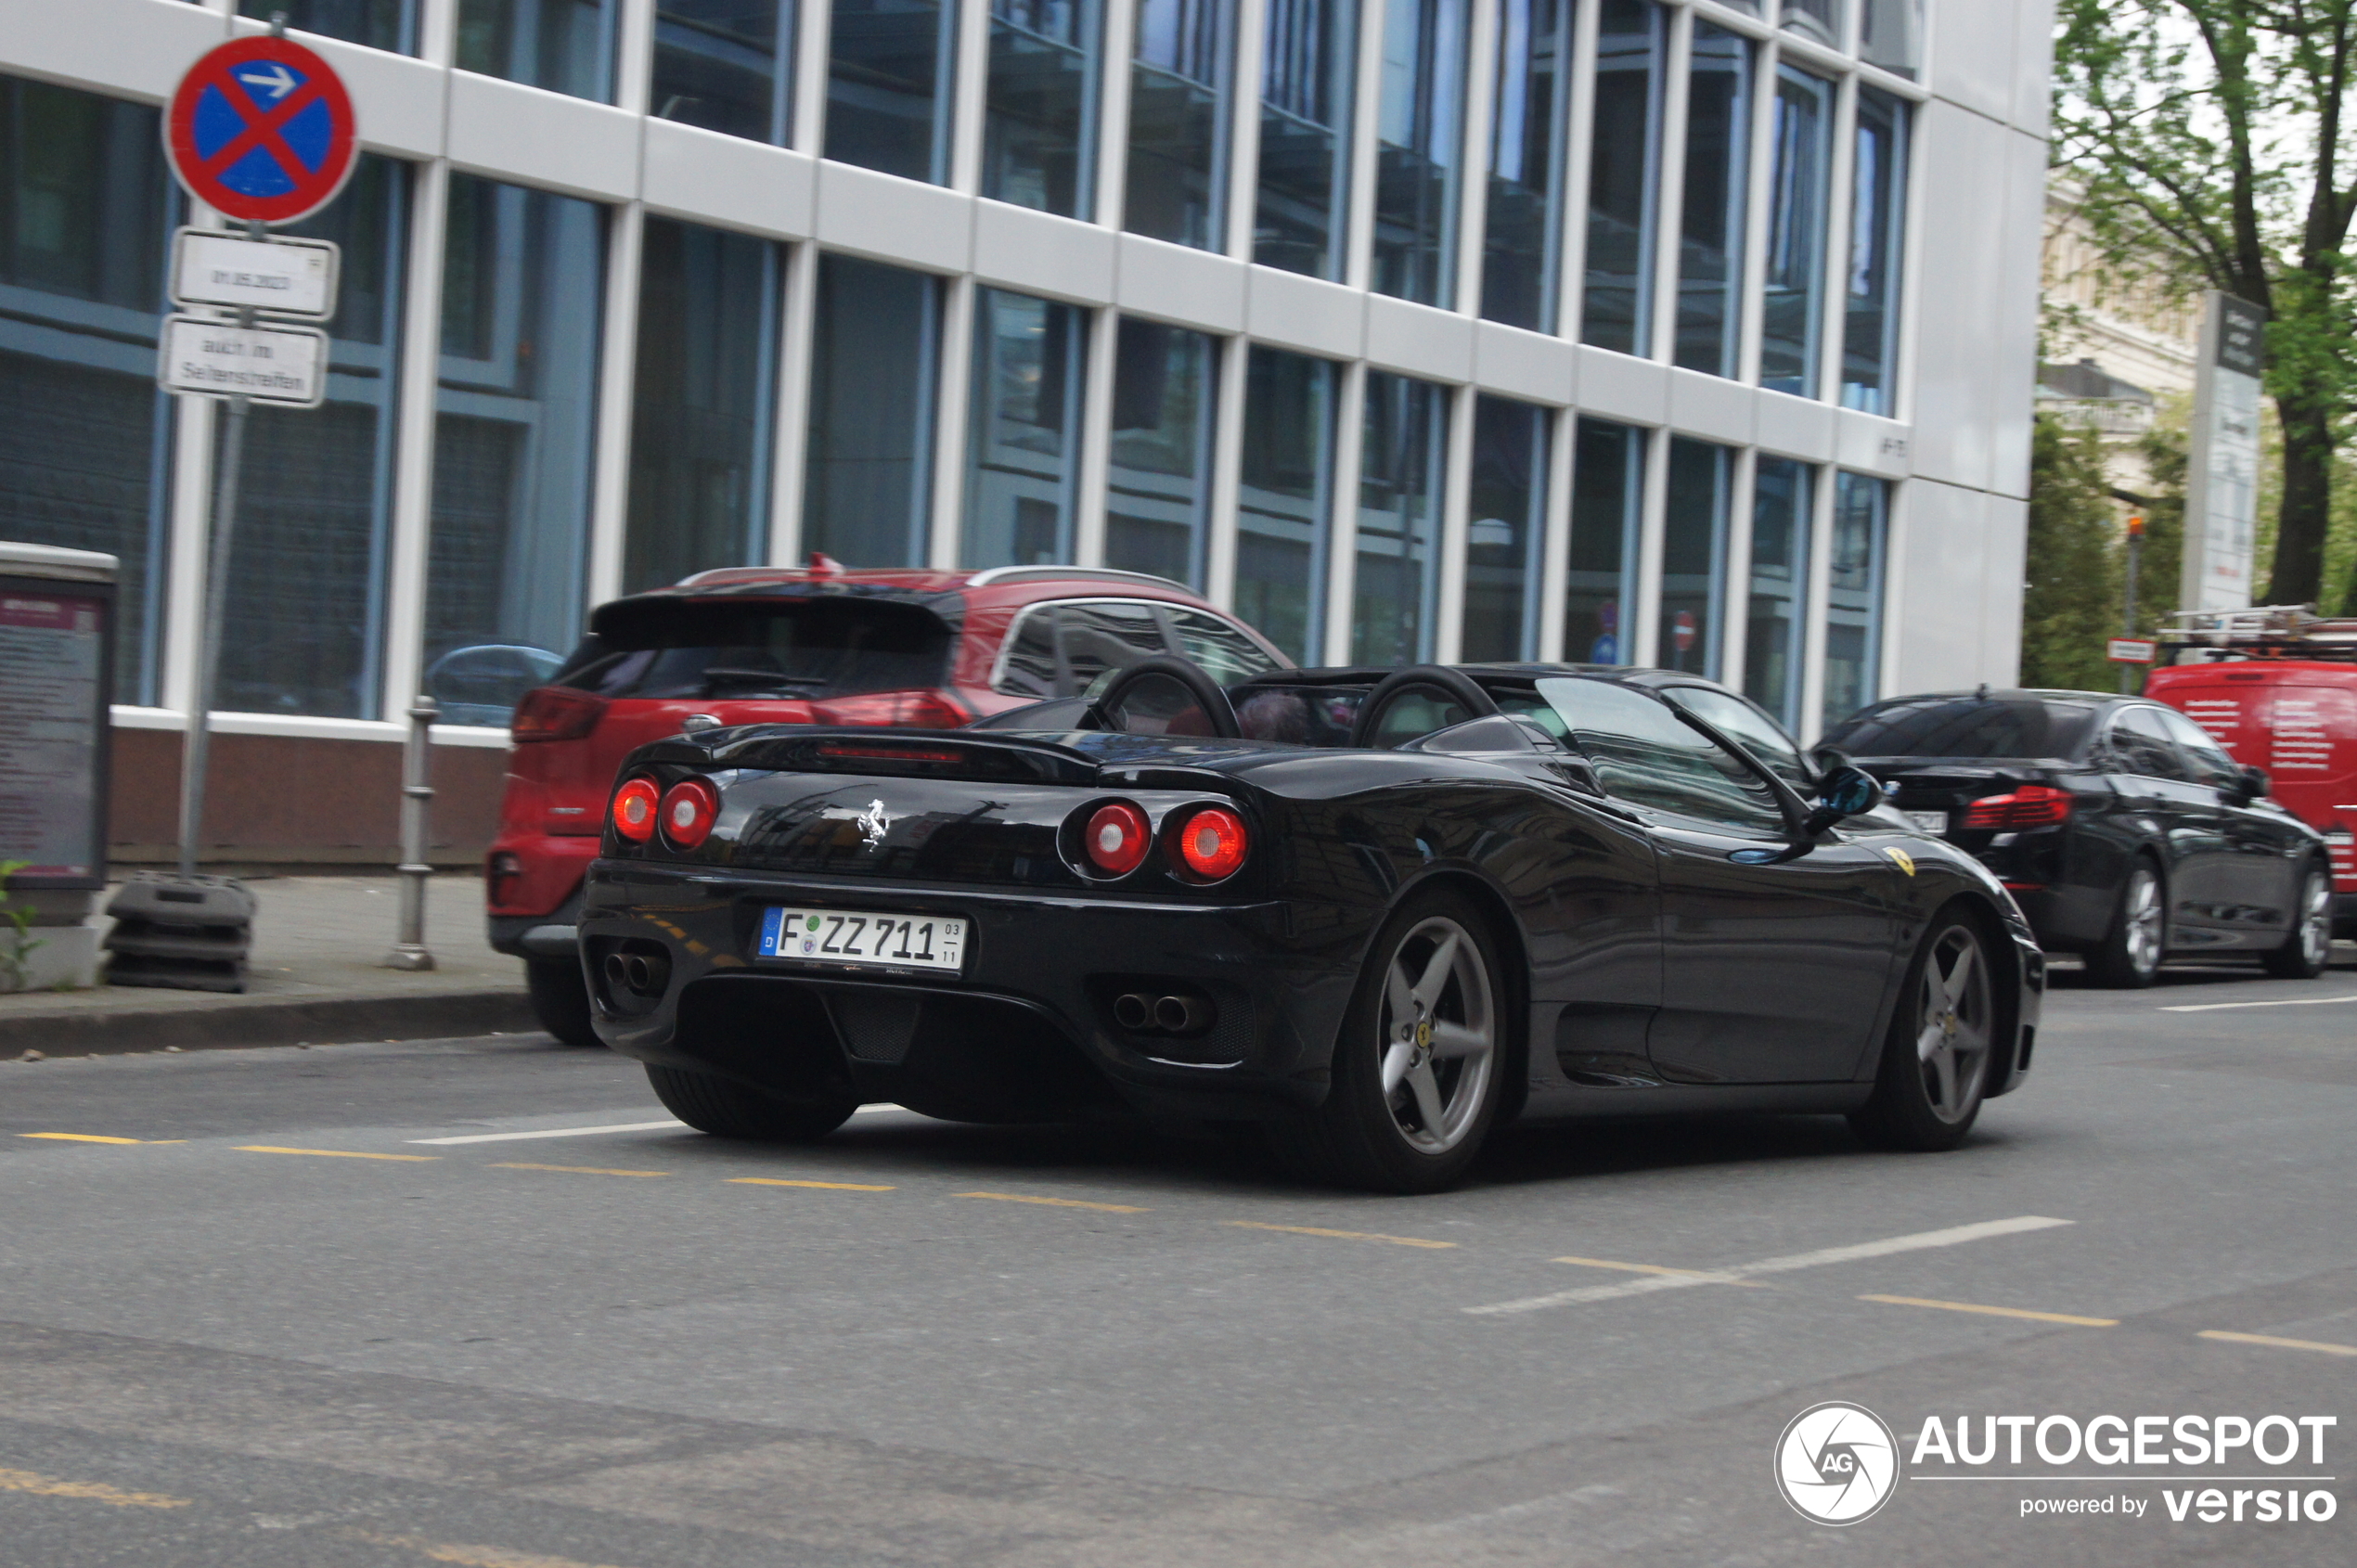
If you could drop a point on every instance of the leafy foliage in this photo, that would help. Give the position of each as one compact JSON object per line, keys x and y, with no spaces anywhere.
{"x":2072,"y":596}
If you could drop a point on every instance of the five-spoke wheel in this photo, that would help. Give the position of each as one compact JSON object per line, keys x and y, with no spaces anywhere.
{"x":1936,"y":1060}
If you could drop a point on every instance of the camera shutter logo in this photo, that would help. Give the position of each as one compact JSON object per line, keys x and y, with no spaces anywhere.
{"x":1836,"y":1463}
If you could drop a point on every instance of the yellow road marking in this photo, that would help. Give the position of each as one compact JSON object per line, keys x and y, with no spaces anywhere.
{"x":1663,"y":1269}
{"x":830,"y":1186}
{"x":1055,"y":1202}
{"x":467,"y":1556}
{"x":2326,"y":1346}
{"x":1338,"y":1235}
{"x":94,"y":1138}
{"x":328,"y":1153}
{"x":89,"y":1491}
{"x":1998,"y":1311}
{"x":573,"y":1170}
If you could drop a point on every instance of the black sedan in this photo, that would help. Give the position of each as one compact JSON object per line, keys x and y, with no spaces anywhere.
{"x":1376,"y":912}
{"x":2123,"y":830}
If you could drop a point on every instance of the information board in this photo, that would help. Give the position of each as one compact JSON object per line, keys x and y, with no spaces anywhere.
{"x":53,"y":730}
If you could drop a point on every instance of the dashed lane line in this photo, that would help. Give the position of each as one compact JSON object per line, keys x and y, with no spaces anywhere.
{"x":96,"y":1137}
{"x":829,"y":1185}
{"x":571,"y":1169}
{"x":1998,"y":1311}
{"x":88,"y":1491}
{"x":2292,"y":1002}
{"x":2322,"y":1347}
{"x":1338,"y":1235}
{"x":328,"y":1153}
{"x":1055,"y":1202}
{"x":1950,"y":1237}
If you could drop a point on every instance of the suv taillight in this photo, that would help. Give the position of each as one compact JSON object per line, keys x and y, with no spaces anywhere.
{"x":555,"y":713}
{"x":504,"y":875}
{"x":2032,"y":806}
{"x":910,"y":710}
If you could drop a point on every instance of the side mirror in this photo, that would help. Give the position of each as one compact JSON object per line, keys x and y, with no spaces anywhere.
{"x":1844,"y":792}
{"x":2252,"y":788}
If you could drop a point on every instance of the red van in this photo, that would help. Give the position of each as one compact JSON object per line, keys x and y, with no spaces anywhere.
{"x":2279,"y":688}
{"x":822,"y":644}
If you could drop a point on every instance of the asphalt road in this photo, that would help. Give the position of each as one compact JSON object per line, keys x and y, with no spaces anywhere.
{"x":281,"y":1331}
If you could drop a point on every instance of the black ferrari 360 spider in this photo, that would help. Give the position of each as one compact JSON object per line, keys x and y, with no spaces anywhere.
{"x":1377,"y":912}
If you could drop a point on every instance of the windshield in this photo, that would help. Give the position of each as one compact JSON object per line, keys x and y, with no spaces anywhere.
{"x":1966,"y":726}
{"x":808,"y":647}
{"x":1748,"y":728}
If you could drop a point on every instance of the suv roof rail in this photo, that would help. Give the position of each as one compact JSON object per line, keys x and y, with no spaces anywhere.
{"x":2277,"y":631}
{"x":1093,"y":573}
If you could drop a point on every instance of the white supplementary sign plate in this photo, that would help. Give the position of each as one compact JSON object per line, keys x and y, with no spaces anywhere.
{"x":869,"y":941}
{"x":1932,"y":822}
{"x":286,"y":365}
{"x":2129,"y":650}
{"x":277,"y":276}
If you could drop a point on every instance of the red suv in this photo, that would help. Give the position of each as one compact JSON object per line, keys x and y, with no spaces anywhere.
{"x":821,"y":645}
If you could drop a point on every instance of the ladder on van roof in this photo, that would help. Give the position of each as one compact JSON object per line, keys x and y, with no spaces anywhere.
{"x":2283,"y":631}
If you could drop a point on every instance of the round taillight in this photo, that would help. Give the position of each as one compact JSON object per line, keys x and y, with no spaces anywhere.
{"x":689,"y":808}
{"x":1212,"y":843}
{"x":634,"y":810}
{"x":1116,"y":838}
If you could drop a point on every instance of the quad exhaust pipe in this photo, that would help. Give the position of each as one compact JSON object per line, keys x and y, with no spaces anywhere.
{"x":1143,"y":1014}
{"x":641,"y":974}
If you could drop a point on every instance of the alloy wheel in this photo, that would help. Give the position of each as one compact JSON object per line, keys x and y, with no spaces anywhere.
{"x":1954,"y":1024}
{"x":1438,"y":1035}
{"x":2316,"y":921}
{"x":2144,"y":918}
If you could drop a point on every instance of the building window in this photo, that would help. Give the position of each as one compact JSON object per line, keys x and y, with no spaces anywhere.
{"x":1285,"y":497}
{"x":1792,"y":315}
{"x":1711,"y":242}
{"x":1853,"y":594}
{"x":380,"y":24}
{"x":305,"y":628}
{"x":1179,"y":120}
{"x":85,"y":438}
{"x":1890,"y":35}
{"x":724,"y":65}
{"x":1158,"y":486}
{"x":1781,"y":511}
{"x":1526,"y":127}
{"x":1878,"y":230}
{"x":1693,"y":556}
{"x":1309,"y":61}
{"x":514,"y":440}
{"x":1607,"y":499}
{"x":1403,"y":471}
{"x":704,"y":408}
{"x":1623,"y":176}
{"x":1419,"y":137}
{"x":1039,"y":147}
{"x":1023,"y":430}
{"x":890,"y":70}
{"x":1505,"y":541}
{"x":868,"y":486}
{"x":564,"y":46}
{"x":1817,"y":20}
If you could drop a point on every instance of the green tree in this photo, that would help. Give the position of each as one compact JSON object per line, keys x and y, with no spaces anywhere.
{"x":2071,"y":600}
{"x":2207,"y":134}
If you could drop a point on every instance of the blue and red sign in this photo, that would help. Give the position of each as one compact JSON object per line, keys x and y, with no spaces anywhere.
{"x":261,"y":128}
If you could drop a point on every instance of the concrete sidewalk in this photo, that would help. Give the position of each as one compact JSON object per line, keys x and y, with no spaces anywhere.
{"x":313,"y":979}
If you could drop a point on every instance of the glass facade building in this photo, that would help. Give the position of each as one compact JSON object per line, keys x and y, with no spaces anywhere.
{"x":1582,"y":329}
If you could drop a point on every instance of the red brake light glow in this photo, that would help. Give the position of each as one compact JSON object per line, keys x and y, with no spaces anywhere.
{"x":886,"y":753}
{"x":634,"y":810}
{"x":2032,"y":806}
{"x":905,"y":709}
{"x":1116,"y":838}
{"x":1212,"y":843}
{"x":555,"y":713}
{"x":689,"y":808}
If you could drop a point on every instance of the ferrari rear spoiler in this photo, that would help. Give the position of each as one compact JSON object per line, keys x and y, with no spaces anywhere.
{"x":919,"y":754}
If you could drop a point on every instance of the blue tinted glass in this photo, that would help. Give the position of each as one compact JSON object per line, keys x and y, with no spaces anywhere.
{"x":1403,"y":467}
{"x":1693,"y":556}
{"x":1309,"y":60}
{"x":1853,"y":594}
{"x":1285,"y":497}
{"x":1870,"y":296}
{"x":1158,"y":487}
{"x":724,"y":65}
{"x":1623,"y":176}
{"x":888,"y":87}
{"x":380,"y":24}
{"x":1420,"y":133}
{"x":1023,"y":430}
{"x":1710,"y":240}
{"x":1607,"y":493}
{"x":515,"y":439}
{"x":1781,"y":510}
{"x":1038,"y":116}
{"x":868,"y":483}
{"x":564,"y":46}
{"x":1527,"y":124}
{"x":1506,"y":536}
{"x":1179,"y":120}
{"x":1792,"y":315}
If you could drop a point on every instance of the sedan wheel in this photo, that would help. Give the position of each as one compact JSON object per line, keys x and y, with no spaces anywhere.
{"x":1935,"y":1066}
{"x":2310,"y":947}
{"x":2130,"y":954}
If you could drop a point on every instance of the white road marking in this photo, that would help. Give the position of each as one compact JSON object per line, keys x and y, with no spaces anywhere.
{"x":586,"y":1132}
{"x":2293,"y":1002}
{"x":1952,"y":1236}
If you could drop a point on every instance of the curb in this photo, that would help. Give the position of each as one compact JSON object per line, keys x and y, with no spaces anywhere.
{"x":269,"y":1022}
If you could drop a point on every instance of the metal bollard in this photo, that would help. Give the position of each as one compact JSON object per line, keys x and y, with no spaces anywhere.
{"x":416,"y":797}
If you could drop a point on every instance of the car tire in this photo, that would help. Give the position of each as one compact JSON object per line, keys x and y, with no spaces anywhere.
{"x":1419,"y":1067}
{"x":726,"y":1108}
{"x":560,"y":1000}
{"x":1943,"y":1039}
{"x":2309,"y":948}
{"x":2138,"y":939}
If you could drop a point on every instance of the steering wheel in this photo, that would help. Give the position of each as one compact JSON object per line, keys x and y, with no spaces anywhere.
{"x":1150,"y":681}
{"x":1454,"y":685}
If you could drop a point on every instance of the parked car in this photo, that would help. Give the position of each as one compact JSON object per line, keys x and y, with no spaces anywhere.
{"x":2121,"y":827}
{"x":1379,"y":912}
{"x":816,"y":646}
{"x":2277,"y":688}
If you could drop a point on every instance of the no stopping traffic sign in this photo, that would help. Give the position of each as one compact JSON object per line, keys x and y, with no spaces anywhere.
{"x":262,"y":129}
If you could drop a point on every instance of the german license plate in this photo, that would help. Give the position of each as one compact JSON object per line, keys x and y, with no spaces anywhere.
{"x":1932,"y":822}
{"x":867,"y":941}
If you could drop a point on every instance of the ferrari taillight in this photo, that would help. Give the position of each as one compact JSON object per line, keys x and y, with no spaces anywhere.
{"x":689,"y":808}
{"x":1211,"y":844}
{"x":2031,"y":805}
{"x":1116,"y":838}
{"x":634,"y":810}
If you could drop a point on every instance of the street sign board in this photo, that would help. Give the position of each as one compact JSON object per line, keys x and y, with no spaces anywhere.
{"x":2222,"y":474}
{"x":293,"y":277}
{"x":262,"y":129}
{"x":1681,"y":630}
{"x":285,"y":366}
{"x":56,"y":616}
{"x":2129,"y":650}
